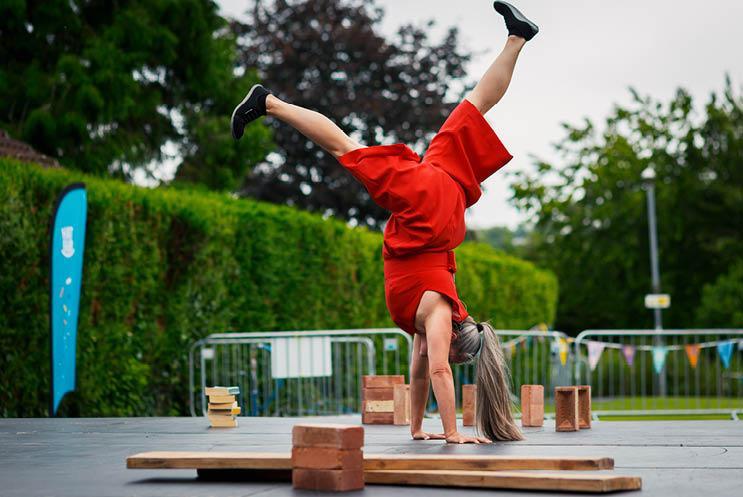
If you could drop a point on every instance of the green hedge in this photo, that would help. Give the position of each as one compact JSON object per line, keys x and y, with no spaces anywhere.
{"x":165,"y":267}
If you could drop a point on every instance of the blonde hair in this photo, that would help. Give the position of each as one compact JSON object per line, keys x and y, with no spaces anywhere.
{"x":473,"y":340}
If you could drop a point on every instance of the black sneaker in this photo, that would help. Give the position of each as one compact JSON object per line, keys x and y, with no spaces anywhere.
{"x":251,"y":108}
{"x":516,"y":22}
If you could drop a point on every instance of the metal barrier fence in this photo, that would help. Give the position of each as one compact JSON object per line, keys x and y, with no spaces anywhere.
{"x":295,"y":373}
{"x":666,"y":372}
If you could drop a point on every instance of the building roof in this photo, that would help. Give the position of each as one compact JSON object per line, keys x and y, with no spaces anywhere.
{"x":22,"y":151}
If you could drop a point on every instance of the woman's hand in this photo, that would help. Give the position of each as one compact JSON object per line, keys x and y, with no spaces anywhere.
{"x":422,"y":435}
{"x":458,"y":438}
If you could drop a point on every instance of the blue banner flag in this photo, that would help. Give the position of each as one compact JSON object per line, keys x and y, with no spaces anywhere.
{"x":725,"y":349}
{"x":659,"y":358}
{"x":66,"y":265}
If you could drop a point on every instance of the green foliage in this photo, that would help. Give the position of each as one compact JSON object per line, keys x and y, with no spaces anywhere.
{"x":105,"y":86}
{"x":591,"y":215}
{"x":165,"y":267}
{"x":722,"y":301}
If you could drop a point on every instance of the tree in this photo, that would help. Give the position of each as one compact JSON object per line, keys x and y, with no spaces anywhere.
{"x":329,"y":55}
{"x":591,"y":218}
{"x":103,"y":86}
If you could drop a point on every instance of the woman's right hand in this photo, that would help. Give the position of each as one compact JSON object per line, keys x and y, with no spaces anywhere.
{"x":458,"y":438}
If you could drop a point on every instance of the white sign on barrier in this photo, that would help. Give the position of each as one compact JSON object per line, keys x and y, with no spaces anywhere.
{"x":301,"y":357}
{"x":657,"y":301}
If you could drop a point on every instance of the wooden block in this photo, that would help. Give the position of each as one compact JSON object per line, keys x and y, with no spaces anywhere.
{"x":532,"y":405}
{"x":401,"y":402}
{"x":222,"y":421}
{"x":384,"y":393}
{"x":381,"y":381}
{"x":566,"y":409}
{"x":328,"y":480}
{"x":561,"y":482}
{"x":376,"y":418}
{"x":221,"y":399}
{"x":584,"y":406}
{"x":379,"y":406}
{"x":221,"y":391}
{"x":323,"y":458}
{"x":282,"y":460}
{"x":328,"y":435}
{"x":469,"y":404}
{"x":222,"y":405}
{"x":225,"y":412}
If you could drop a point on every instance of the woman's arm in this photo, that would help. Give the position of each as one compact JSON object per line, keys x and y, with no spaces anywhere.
{"x":419,"y":389}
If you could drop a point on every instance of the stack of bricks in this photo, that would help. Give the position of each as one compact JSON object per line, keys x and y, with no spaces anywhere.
{"x":327,"y":458}
{"x":378,"y":400}
{"x":223,"y":407}
{"x":572,"y":408}
{"x":469,"y":404}
{"x":532,"y":405}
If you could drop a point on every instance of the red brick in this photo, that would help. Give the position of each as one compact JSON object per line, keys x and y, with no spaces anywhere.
{"x":323,"y":458}
{"x":566,"y":409}
{"x":584,"y":406}
{"x":401,"y":401}
{"x":382,"y":381}
{"x":532,"y":405}
{"x":328,"y":435}
{"x":469,"y":404}
{"x":328,"y":480}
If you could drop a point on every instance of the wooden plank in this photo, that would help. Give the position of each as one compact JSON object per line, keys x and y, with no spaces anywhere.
{"x":376,"y":418}
{"x":584,"y":406}
{"x":221,"y":391}
{"x":382,"y":381}
{"x":560,"y":482}
{"x":282,"y":460}
{"x":221,"y":399}
{"x":401,"y":401}
{"x":385,"y":393}
{"x":469,"y":404}
{"x":566,"y":409}
{"x":379,"y":406}
{"x":532,"y":405}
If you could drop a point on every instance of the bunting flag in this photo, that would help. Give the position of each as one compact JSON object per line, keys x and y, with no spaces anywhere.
{"x":563,"y":348}
{"x":594,"y":353}
{"x":725,"y":349}
{"x":692,"y":352}
{"x":629,"y":354}
{"x":510,"y":349}
{"x":527,"y":342}
{"x":659,"y":358}
{"x":740,"y":345}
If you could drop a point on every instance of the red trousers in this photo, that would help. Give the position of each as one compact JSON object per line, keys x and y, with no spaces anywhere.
{"x":427,"y":199}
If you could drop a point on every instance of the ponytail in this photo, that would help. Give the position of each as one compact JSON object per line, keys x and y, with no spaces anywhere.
{"x":494,"y":418}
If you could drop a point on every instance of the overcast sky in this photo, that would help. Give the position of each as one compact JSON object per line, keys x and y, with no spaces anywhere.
{"x":586,"y":55}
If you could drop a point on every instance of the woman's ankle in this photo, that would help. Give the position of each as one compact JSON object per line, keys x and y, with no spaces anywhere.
{"x":272,"y":104}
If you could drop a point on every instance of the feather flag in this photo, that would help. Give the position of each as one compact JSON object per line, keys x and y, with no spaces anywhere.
{"x":594,"y":353}
{"x":659,"y":358}
{"x":692,"y":352}
{"x":629,"y":354}
{"x":725,"y":349}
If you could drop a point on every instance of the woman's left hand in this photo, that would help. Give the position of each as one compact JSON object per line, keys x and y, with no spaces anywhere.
{"x":422,"y":435}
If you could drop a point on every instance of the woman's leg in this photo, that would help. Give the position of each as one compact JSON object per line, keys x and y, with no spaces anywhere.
{"x":313,"y":125}
{"x":496,"y":79}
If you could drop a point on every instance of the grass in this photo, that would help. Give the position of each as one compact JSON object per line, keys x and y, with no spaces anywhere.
{"x":661,"y":403}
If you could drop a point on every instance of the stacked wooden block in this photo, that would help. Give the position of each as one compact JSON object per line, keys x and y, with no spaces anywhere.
{"x":469,"y":404}
{"x":223,"y":406}
{"x":532,"y":405}
{"x":385,"y":400}
{"x":327,"y":457}
{"x":572,"y":408}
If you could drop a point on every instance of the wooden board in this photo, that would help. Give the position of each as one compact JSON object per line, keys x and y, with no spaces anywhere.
{"x":379,"y":406}
{"x":382,"y":381}
{"x":221,"y":391}
{"x":560,"y":482}
{"x":401,"y":402}
{"x":283,"y":460}
{"x":469,"y":404}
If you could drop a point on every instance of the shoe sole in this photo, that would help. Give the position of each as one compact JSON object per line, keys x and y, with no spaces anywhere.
{"x":516,"y":13}
{"x":232,"y":119}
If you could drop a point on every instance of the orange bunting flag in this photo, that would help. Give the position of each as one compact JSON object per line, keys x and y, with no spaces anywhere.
{"x":692,"y":352}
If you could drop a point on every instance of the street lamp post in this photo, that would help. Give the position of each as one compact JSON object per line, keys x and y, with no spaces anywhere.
{"x":648,"y":178}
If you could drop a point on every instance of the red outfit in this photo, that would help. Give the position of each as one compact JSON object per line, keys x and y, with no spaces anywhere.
{"x":427,"y":199}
